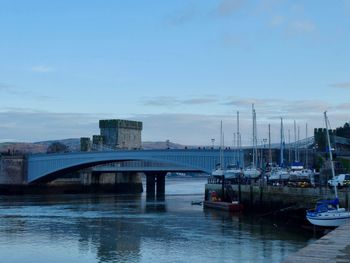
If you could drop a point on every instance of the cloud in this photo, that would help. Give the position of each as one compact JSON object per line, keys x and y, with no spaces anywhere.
{"x":300,"y":27}
{"x":169,"y":101}
{"x":41,"y":69}
{"x":5,"y":88}
{"x":182,"y":17}
{"x":342,"y":85}
{"x":30,"y":125}
{"x":277,"y":21}
{"x":14,"y":91}
{"x":228,"y":7}
{"x":198,"y":101}
{"x":186,"y":128}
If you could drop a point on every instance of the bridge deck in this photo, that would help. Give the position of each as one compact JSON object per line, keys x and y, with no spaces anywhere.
{"x":333,"y":247}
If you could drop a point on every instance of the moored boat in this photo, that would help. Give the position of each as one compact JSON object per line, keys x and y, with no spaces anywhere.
{"x":327,"y":212}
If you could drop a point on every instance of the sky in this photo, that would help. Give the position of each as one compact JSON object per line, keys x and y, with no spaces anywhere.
{"x":180,"y":67}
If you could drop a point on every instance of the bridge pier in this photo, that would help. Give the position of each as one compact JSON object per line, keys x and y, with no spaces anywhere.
{"x":150,"y":184}
{"x":160,"y":184}
{"x":155,"y":184}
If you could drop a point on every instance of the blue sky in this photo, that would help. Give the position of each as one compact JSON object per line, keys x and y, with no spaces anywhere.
{"x":178,"y":66}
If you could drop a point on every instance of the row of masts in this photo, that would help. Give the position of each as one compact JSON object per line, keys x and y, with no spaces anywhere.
{"x":237,"y":143}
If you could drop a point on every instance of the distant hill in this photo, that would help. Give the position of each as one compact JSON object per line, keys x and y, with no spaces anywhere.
{"x":161,"y":145}
{"x":37,"y":147}
{"x":74,"y":145}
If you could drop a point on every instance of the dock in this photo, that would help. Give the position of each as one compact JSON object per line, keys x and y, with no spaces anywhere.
{"x":333,"y":247}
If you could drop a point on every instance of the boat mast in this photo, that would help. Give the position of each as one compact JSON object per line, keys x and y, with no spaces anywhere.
{"x":238,"y":142}
{"x":298,"y":143}
{"x":289,"y":146}
{"x":295,"y":142}
{"x":221,"y":148}
{"x":281,"y":146}
{"x":255,"y":150}
{"x":306,"y":152}
{"x":330,"y":154}
{"x":270,"y":154}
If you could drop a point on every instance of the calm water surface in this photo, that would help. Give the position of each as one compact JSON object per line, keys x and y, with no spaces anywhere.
{"x":111,"y":228}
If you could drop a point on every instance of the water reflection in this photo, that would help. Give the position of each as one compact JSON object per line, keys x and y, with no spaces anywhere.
{"x":108,"y":228}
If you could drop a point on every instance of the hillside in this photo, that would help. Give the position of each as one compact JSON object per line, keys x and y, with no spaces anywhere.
{"x":73,"y":144}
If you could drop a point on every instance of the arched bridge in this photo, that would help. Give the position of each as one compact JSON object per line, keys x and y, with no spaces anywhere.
{"x":46,"y":167}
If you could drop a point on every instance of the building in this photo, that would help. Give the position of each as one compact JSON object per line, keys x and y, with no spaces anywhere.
{"x":121,"y":134}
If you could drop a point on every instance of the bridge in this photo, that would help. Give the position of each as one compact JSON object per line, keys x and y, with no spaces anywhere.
{"x":47,"y":167}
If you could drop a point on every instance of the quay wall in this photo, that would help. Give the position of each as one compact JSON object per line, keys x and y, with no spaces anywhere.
{"x":278,"y":197}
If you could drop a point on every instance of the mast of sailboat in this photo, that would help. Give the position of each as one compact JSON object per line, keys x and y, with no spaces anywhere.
{"x":221,"y":148}
{"x":235,"y":148}
{"x":281,"y":149}
{"x":330,"y":154}
{"x":238,"y":142}
{"x":270,"y":154}
{"x":306,"y":152}
{"x":289,"y":146}
{"x":298,"y":143}
{"x":255,"y":152}
{"x":295,"y":142}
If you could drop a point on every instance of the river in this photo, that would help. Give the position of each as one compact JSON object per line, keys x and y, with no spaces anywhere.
{"x":129,"y":228}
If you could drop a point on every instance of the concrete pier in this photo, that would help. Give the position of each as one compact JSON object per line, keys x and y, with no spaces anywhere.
{"x":275,"y":197}
{"x":155,"y":184}
{"x":333,"y":247}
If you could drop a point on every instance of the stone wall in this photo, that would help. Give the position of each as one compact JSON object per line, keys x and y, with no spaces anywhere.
{"x":275,"y":197}
{"x":12,"y":170}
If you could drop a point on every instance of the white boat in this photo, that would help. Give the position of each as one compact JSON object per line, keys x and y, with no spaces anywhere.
{"x":327,"y":212}
{"x":232,"y":172}
{"x":251,"y":172}
{"x":218,"y":172}
{"x":279,"y":174}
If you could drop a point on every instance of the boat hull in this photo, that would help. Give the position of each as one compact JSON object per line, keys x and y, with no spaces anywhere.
{"x":225,"y":206}
{"x":329,"y":220}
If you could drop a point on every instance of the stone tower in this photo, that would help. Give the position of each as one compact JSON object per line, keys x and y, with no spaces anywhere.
{"x":121,"y":134}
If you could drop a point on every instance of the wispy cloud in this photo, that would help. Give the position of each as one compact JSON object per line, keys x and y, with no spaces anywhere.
{"x":41,"y":69}
{"x":228,"y":7}
{"x":169,"y":101}
{"x":341,"y":85}
{"x":300,"y":27}
{"x":181,"y":17}
{"x":19,"y":92}
{"x":177,"y":127}
{"x":5,"y":87}
{"x":277,"y":21}
{"x":41,"y":125}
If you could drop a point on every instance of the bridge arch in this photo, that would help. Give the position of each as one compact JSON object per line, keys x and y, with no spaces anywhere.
{"x":46,"y":167}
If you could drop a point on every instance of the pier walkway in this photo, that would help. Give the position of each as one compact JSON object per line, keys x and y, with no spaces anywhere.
{"x":333,"y":247}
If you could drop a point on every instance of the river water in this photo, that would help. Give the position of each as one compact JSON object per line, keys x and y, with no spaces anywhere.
{"x":112,"y":228}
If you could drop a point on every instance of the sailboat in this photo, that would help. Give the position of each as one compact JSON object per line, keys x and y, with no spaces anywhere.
{"x":252,"y":172}
{"x":280,"y":173}
{"x":327,"y":212}
{"x":233,"y":170}
{"x":219,"y":171}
